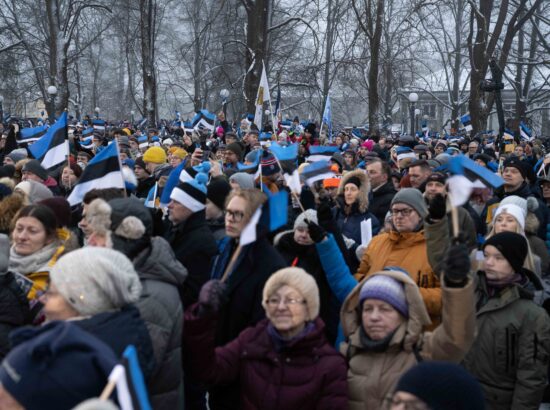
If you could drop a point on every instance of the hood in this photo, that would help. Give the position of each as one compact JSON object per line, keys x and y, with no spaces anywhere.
{"x":279,"y":237}
{"x":363,"y":198}
{"x":531,"y":223}
{"x":9,"y":206}
{"x":158,"y":262}
{"x":410,"y":331}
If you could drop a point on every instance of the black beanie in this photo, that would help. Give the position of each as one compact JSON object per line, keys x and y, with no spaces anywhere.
{"x":442,"y":386}
{"x":355,"y":181}
{"x":217,"y":191}
{"x":34,"y":167}
{"x":513,"y":247}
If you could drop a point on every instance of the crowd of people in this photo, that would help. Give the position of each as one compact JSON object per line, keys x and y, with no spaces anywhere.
{"x":437,"y":307}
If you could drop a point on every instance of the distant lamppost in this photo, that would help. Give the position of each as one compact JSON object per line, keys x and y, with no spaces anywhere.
{"x":1,"y":109}
{"x":96,"y":110}
{"x":132,"y":113}
{"x":224,"y":95}
{"x":413,"y":98}
{"x":52,"y":91}
{"x":416,"y":116}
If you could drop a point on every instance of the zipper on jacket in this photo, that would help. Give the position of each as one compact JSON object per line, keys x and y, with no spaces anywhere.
{"x":507,"y":348}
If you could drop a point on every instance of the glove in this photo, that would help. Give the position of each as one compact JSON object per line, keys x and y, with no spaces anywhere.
{"x":457,"y":265}
{"x":316,"y":233}
{"x":211,"y":297}
{"x":438,"y":207}
{"x":324,"y":214}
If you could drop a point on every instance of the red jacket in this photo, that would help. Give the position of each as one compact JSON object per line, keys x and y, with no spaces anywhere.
{"x":308,"y":374}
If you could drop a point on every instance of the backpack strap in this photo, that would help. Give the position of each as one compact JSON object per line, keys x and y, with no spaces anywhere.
{"x":417,"y":354}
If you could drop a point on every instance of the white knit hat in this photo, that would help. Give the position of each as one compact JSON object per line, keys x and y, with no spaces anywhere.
{"x":309,"y":214}
{"x":95,"y":280}
{"x":298,"y":279}
{"x":517,"y":207}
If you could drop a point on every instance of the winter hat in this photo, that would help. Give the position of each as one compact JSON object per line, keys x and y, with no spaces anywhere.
{"x":331,"y":182}
{"x":252,"y":157}
{"x":355,"y":180}
{"x":7,"y":171}
{"x":106,"y":280}
{"x":76,"y":169}
{"x":180,"y":153}
{"x":35,"y":191}
{"x":192,"y":194}
{"x":188,"y":174}
{"x":217,"y":191}
{"x":310,"y":128}
{"x":61,"y":365}
{"x":96,"y":404}
{"x":386,"y":289}
{"x":18,"y":154}
{"x":123,"y":141}
{"x":310,"y":215}
{"x":298,"y":279}
{"x":140,"y":163}
{"x":339,"y":159}
{"x":235,"y":148}
{"x":442,"y":386}
{"x":34,"y":167}
{"x":61,"y":208}
{"x":404,"y":152}
{"x":269,"y":164}
{"x":513,"y":247}
{"x":244,"y":180}
{"x":167,"y":142}
{"x":521,"y":166}
{"x":368,"y":144}
{"x":437,"y":177}
{"x":156,"y":155}
{"x":413,"y":198}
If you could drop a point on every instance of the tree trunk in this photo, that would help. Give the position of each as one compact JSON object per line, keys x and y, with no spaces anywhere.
{"x":148,"y":34}
{"x":455,"y":106}
{"x":373,"y":68}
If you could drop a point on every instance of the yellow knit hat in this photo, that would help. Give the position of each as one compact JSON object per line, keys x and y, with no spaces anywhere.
{"x":180,"y":153}
{"x":156,"y":155}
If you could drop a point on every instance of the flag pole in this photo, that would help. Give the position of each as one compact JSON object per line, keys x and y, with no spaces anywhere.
{"x":294,"y":194}
{"x":231,"y":263}
{"x":107,"y":391}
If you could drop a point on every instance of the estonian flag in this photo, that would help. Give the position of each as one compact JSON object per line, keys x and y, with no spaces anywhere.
{"x":525,"y":132}
{"x":204,"y":119}
{"x":273,"y":214}
{"x":32,"y":134}
{"x":103,"y":171}
{"x":317,"y":171}
{"x":321,"y":152}
{"x":130,"y":386}
{"x":466,"y":120}
{"x":254,"y":168}
{"x":53,"y":148}
{"x":467,"y":175}
{"x":152,"y":197}
{"x":99,"y":125}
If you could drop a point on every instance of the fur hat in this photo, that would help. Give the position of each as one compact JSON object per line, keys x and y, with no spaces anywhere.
{"x":106,"y":280}
{"x":298,"y":279}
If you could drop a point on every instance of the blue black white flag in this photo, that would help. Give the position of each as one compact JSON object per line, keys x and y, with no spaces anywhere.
{"x":53,"y":148}
{"x":327,"y":118}
{"x":204,"y":119}
{"x":32,"y":134}
{"x":466,"y":120}
{"x":525,"y":132}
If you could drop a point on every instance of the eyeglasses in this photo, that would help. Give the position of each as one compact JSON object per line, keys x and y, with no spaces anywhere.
{"x":236,"y":216}
{"x":405,"y":212}
{"x":407,"y":404}
{"x":274,"y":301}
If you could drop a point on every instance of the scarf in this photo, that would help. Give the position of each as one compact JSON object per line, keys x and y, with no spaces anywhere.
{"x":496,"y":285}
{"x":281,"y":343}
{"x":377,"y":346}
{"x":35,"y":262}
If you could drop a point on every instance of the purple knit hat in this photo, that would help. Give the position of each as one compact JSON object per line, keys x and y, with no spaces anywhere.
{"x":386,"y":289}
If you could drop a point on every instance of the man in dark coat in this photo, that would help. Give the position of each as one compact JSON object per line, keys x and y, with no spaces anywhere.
{"x":382,"y":188}
{"x":189,"y":235}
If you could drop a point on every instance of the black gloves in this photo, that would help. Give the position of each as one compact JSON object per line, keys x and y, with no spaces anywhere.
{"x":457,"y":265}
{"x":211,"y":297}
{"x":438,"y":207}
{"x":324,"y":214}
{"x":316,"y":233}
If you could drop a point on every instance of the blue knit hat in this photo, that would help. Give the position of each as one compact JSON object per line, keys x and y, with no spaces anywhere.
{"x":192,"y":194}
{"x":386,"y":289}
{"x":188,"y":174}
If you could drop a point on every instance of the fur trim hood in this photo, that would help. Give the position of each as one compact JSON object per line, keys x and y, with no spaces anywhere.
{"x":9,"y":206}
{"x":363,"y":198}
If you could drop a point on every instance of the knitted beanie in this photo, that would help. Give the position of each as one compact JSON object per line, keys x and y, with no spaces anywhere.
{"x":442,"y":386}
{"x":298,"y":279}
{"x":140,"y":163}
{"x":244,"y":180}
{"x":235,"y":148}
{"x":512,"y":246}
{"x":386,"y":289}
{"x":180,"y":153}
{"x":188,"y":174}
{"x":106,"y":280}
{"x":34,"y":167}
{"x":269,"y":164}
{"x":521,"y":166}
{"x":192,"y":194}
{"x":35,"y":191}
{"x":17,"y":154}
{"x":217,"y":191}
{"x":61,"y":208}
{"x":309,"y":214}
{"x":413,"y":198}
{"x":156,"y":155}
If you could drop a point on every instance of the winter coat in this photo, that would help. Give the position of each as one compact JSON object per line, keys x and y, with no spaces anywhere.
{"x":308,"y":374}
{"x":407,"y":251}
{"x":381,"y":200}
{"x":537,"y":245}
{"x":119,"y":329}
{"x":349,"y":218}
{"x":195,"y":247}
{"x":144,"y":186}
{"x":524,"y":191}
{"x":14,"y":310}
{"x":243,"y":307}
{"x":217,"y":227}
{"x":372,"y":376}
{"x":510,"y":355}
{"x":307,"y":258}
{"x":162,"y":276}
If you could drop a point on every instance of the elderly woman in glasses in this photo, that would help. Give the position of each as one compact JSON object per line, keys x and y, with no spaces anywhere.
{"x":284,"y":362}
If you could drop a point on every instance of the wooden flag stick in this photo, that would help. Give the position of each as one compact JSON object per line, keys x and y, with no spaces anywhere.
{"x":107,"y":391}
{"x":231,"y":263}
{"x":294,"y":194}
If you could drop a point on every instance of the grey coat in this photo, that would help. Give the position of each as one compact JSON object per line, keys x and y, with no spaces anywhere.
{"x":160,"y":306}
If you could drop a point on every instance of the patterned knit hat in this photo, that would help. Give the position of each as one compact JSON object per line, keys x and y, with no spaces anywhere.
{"x":269,"y":164}
{"x":192,"y":194}
{"x":386,"y":289}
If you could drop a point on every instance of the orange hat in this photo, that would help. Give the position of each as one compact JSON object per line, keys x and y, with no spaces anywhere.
{"x":331,"y":182}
